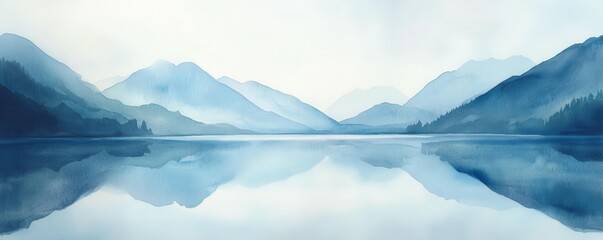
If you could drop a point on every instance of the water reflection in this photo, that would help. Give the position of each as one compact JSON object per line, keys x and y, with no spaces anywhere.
{"x":39,"y":177}
{"x":562,"y":177}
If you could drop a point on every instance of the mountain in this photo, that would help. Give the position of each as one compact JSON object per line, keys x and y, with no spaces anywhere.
{"x":282,"y":104}
{"x":388,"y":114}
{"x":108,"y":82}
{"x":521,"y":103}
{"x":451,"y":89}
{"x":53,"y":84}
{"x":22,"y":117}
{"x":188,"y":89}
{"x":356,"y":101}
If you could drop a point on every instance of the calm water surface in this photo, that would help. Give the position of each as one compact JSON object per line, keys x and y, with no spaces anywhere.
{"x":303,"y":187}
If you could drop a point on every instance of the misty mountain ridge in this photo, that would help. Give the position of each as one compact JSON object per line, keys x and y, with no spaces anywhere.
{"x":190,"y":90}
{"x":388,"y":114}
{"x":489,"y":96}
{"x":518,"y":103}
{"x":358,"y":100}
{"x":22,"y":117}
{"x":53,"y":83}
{"x":282,"y":104}
{"x":451,"y":89}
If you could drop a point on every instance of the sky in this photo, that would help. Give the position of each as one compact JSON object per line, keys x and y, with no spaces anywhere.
{"x":316,"y":50}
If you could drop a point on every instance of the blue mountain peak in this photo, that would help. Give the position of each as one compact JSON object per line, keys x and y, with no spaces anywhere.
{"x":14,"y":37}
{"x":516,"y":59}
{"x":21,"y":46}
{"x":594,"y":40}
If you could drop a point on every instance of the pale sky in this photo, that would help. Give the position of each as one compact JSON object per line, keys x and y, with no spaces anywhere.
{"x":316,"y":50}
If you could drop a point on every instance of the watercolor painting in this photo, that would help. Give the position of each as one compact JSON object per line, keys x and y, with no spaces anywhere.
{"x":311,"y":119}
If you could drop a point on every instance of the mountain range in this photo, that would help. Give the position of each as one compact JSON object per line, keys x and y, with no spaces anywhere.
{"x":62,"y":86}
{"x":453,"y":88}
{"x":282,"y":104}
{"x":522,"y":104}
{"x":23,"y":117}
{"x":390,"y":115}
{"x":358,"y":100}
{"x":190,"y":90}
{"x":43,"y":97}
{"x":449,"y":90}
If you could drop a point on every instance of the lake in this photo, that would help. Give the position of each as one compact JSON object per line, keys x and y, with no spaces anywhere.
{"x":303,"y":187}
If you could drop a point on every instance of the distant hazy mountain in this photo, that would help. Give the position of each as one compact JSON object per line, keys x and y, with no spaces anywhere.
{"x":356,"y":101}
{"x":472,"y":79}
{"x":522,"y":103}
{"x":108,"y":82}
{"x":55,"y":84}
{"x":188,"y":89}
{"x":387,"y":114}
{"x":282,"y":104}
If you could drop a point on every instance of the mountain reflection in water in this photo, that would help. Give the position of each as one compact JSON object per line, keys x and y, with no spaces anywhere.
{"x":559,"y":176}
